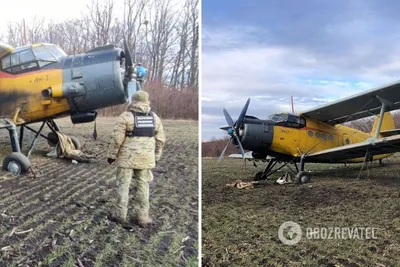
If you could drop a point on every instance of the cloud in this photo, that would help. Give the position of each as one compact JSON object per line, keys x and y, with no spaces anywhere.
{"x":316,"y":59}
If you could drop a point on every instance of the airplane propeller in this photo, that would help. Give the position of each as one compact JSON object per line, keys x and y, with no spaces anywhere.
{"x":128,"y":62}
{"x":233,"y":128}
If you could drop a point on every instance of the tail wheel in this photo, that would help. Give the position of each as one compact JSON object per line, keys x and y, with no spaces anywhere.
{"x":303,"y":177}
{"x":16,"y":163}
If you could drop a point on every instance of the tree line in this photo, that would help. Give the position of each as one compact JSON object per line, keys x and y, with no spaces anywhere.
{"x":162,"y":34}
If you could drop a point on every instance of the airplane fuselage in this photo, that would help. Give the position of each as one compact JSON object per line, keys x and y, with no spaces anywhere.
{"x":40,"y":82}
{"x":292,"y":140}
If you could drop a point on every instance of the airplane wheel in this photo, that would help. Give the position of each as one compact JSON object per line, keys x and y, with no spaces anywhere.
{"x":52,"y":139}
{"x":76,"y":142}
{"x":16,"y":163}
{"x":258,"y":176}
{"x":302,"y":177}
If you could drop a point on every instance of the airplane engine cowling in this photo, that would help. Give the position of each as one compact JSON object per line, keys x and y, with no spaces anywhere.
{"x":256,"y":135}
{"x":94,"y":80}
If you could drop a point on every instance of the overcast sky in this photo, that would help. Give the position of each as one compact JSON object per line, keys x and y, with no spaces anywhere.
{"x":315,"y":51}
{"x":56,"y":10}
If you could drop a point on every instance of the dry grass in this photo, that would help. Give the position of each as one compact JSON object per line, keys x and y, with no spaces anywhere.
{"x":240,"y":227}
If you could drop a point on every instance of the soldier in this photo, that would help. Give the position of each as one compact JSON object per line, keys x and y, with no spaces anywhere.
{"x":136,"y":146}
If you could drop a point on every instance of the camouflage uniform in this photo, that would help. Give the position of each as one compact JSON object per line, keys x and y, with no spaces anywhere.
{"x":135,"y":155}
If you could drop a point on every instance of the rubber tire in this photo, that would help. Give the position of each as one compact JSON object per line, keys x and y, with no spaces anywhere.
{"x":76,"y":142}
{"x":20,"y":159}
{"x":53,"y":139}
{"x":303,"y":177}
{"x":257,"y":176}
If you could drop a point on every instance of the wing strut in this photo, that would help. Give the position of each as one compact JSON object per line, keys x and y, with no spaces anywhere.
{"x":385,"y":104}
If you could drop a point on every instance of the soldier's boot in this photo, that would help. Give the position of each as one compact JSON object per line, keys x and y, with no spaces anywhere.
{"x":117,"y":219}
{"x":145,"y":220}
{"x":114,"y":218}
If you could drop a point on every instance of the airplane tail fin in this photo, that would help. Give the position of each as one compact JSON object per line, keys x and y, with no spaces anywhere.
{"x":387,"y":123}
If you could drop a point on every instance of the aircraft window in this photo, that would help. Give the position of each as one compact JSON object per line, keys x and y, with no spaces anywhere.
{"x":310,"y":133}
{"x":295,"y":121}
{"x":26,"y":56}
{"x":317,"y":134}
{"x":330,"y":137}
{"x":42,"y":54}
{"x":324,"y":136}
{"x":277,"y":118}
{"x":6,"y":62}
{"x":56,"y":51}
{"x":347,"y":141}
{"x":14,"y":59}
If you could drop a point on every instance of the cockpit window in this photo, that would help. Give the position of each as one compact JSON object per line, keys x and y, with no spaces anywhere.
{"x":26,"y":56}
{"x":29,"y":58}
{"x":6,"y":62}
{"x":287,"y":120}
{"x":278,"y":118}
{"x":56,"y":51}
{"x":42,"y":54}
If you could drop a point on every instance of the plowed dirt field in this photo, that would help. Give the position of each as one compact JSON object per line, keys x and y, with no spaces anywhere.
{"x":59,"y":217}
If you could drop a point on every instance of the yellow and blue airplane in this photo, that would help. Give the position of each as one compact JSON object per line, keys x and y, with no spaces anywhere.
{"x":318,"y":135}
{"x":40,"y":82}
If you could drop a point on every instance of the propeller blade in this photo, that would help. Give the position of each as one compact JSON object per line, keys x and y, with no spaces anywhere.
{"x":243,"y":113}
{"x":240,"y":146}
{"x":225,"y":128}
{"x":128,"y":55}
{"x":228,"y":118}
{"x":223,"y":151}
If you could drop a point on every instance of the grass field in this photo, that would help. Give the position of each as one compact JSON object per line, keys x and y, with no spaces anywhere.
{"x":65,"y":207}
{"x":240,"y":227}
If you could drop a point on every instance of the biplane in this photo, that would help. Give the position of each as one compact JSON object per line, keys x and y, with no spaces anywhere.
{"x":39,"y":83}
{"x":319,"y":135}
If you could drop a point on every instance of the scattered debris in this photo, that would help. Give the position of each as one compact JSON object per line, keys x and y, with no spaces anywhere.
{"x":185,"y":239}
{"x":241,"y":185}
{"x":12,"y":231}
{"x":24,"y":232}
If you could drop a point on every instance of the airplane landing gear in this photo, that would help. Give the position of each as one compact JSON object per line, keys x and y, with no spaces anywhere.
{"x":302,"y":177}
{"x":16,"y":163}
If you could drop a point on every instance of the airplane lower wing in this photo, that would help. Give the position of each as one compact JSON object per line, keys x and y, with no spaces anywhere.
{"x":381,"y":146}
{"x":389,"y":132}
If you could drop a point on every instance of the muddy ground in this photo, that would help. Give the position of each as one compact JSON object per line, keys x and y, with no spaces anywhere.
{"x":59,"y":218}
{"x":240,"y":227}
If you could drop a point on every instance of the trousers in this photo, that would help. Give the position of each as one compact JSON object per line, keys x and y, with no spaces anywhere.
{"x":141,"y":204}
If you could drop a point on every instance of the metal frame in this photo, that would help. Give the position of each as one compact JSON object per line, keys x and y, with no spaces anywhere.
{"x":271,"y":164}
{"x":17,"y":142}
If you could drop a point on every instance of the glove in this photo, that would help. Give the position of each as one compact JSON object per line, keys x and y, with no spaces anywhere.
{"x":110,"y":160}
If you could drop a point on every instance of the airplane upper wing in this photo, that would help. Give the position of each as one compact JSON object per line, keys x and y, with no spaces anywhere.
{"x":380,"y":146}
{"x":358,"y":106}
{"x":4,"y":49}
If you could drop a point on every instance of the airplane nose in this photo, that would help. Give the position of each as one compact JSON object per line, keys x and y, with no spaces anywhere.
{"x":257,"y":135}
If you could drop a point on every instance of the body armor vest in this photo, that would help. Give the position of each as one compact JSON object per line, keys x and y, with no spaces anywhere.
{"x":144,"y":125}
